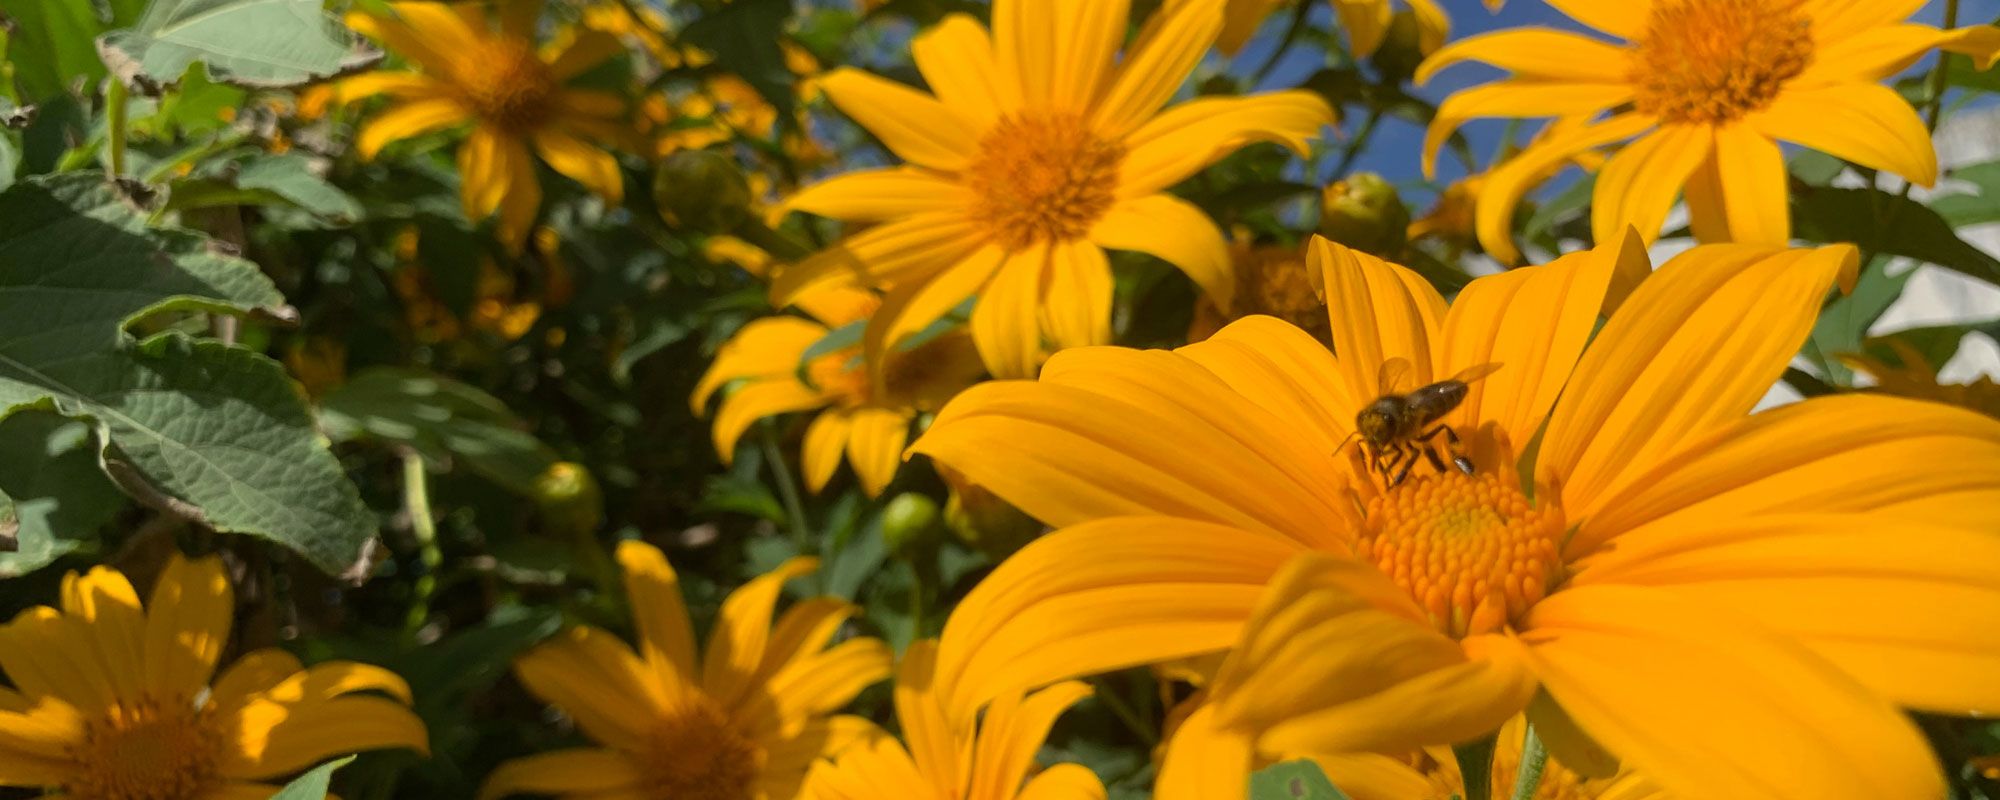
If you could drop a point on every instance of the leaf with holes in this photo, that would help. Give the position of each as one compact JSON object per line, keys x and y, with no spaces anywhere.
{"x":1293,"y":780}
{"x":213,"y":432}
{"x":256,"y":43}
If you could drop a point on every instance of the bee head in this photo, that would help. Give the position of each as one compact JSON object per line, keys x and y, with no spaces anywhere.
{"x":1379,"y":421}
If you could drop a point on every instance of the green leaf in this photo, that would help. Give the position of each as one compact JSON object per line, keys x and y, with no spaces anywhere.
{"x":1880,"y":222}
{"x":255,"y":43}
{"x":834,"y":341}
{"x":442,"y":419}
{"x":61,"y":499}
{"x":312,"y":785}
{"x":10,"y":526}
{"x":744,"y":37}
{"x":1293,"y":780}
{"x":213,"y":432}
{"x":10,"y":158}
{"x":1978,"y":207}
{"x":1935,"y":344}
{"x":268,"y":180}
{"x":1845,"y":322}
{"x":50,"y":47}
{"x":1814,"y":167}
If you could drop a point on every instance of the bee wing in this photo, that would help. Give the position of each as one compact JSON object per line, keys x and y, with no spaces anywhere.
{"x":1473,"y":373}
{"x":1395,"y":372}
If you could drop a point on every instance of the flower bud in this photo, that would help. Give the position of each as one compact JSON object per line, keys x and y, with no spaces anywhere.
{"x":1363,"y":212}
{"x":910,"y":523}
{"x":569,"y":497}
{"x":701,"y":191}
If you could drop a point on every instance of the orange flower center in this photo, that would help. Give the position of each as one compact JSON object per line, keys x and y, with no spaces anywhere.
{"x":1713,"y":61}
{"x":147,"y":751}
{"x":695,"y":755}
{"x":841,"y":375}
{"x":1042,"y":177}
{"x":1472,"y":551}
{"x":506,"y":84}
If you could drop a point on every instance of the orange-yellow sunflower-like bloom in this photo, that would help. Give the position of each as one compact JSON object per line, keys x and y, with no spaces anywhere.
{"x":1735,"y":604}
{"x":111,"y":700}
{"x":489,"y":73}
{"x":1040,"y":149}
{"x":1366,"y":22}
{"x":866,"y":414}
{"x":742,"y":720}
{"x":1704,"y":90}
{"x":988,"y":761}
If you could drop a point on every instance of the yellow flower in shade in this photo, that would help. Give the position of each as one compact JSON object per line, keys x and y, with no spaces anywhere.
{"x":866,"y":416}
{"x":1735,"y":604}
{"x":742,"y":721}
{"x":1911,"y":375}
{"x":1704,"y":90}
{"x":1270,"y":280}
{"x":1040,"y":149}
{"x":942,"y":762}
{"x":1366,"y":22}
{"x":111,"y":701}
{"x":467,"y":70}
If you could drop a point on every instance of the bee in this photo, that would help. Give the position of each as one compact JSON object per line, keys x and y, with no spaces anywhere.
{"x":1398,"y":429}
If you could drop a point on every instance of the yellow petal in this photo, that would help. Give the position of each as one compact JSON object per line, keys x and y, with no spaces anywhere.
{"x":1433,"y":27}
{"x":1533,"y":322}
{"x":402,"y":85}
{"x":1285,"y":370}
{"x":1188,"y":137}
{"x":598,"y":682}
{"x":1205,"y":761}
{"x":1879,"y":53}
{"x":1366,"y":776}
{"x":819,"y":455}
{"x":1063,"y":782}
{"x":407,"y":120}
{"x":1845,"y":453}
{"x":1835,"y":20}
{"x":909,"y":249}
{"x":1076,"y":300}
{"x":1365,"y":22}
{"x":957,"y":62}
{"x":1637,"y":187}
{"x":594,"y":168}
{"x":1023,"y":49}
{"x":787,"y":762}
{"x":591,"y":48}
{"x":270,"y":739}
{"x":1647,"y":672}
{"x":1625,"y":20}
{"x":1006,"y":322}
{"x":765,"y":349}
{"x":939,"y":754}
{"x":255,"y":672}
{"x":1539,"y":53}
{"x":735,"y":654}
{"x":433,"y":49}
{"x":1085,"y":444}
{"x":814,"y":686}
{"x":1867,"y":124}
{"x":755,"y":401}
{"x":914,"y":125}
{"x":1012,"y":731}
{"x":878,"y":194}
{"x":106,"y":609}
{"x":1514,"y":98}
{"x":801,"y":633}
{"x":1177,"y":232}
{"x":1085,"y":46}
{"x":329,"y":679}
{"x":1379,"y":311}
{"x":496,"y":173}
{"x":1102,"y":596}
{"x":875,"y":446}
{"x":918,"y":302}
{"x":187,"y":623}
{"x":39,"y":737}
{"x":1156,"y":65}
{"x":874,"y":769}
{"x":1905,"y":607}
{"x":1753,"y":199}
{"x":659,"y":615}
{"x":518,"y":17}
{"x":572,"y":771}
{"x":1676,"y":361}
{"x":1240,"y":21}
{"x":1504,"y":187}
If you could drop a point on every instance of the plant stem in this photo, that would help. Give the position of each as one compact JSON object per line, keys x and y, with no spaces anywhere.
{"x":114,"y":125}
{"x":1126,"y":714}
{"x":1355,"y":145}
{"x":1534,"y":758}
{"x":417,"y":503}
{"x":1284,"y":45}
{"x":1934,"y":89}
{"x":788,"y":491}
{"x":1475,"y":766}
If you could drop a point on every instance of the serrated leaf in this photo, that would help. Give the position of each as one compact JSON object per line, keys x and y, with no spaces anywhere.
{"x":313,"y":784}
{"x":441,"y":418}
{"x":1880,"y":222}
{"x":61,"y":499}
{"x":1293,"y":780}
{"x":214,"y":432}
{"x":255,"y":43}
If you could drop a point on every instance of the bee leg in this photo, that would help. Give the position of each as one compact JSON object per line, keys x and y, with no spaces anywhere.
{"x":1452,"y":443}
{"x":1431,"y":454}
{"x":1408,"y":460}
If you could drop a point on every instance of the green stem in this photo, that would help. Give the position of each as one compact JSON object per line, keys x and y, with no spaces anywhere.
{"x":417,"y":503}
{"x":1126,"y":714}
{"x":788,"y":491}
{"x":1934,"y":91}
{"x":779,"y":245}
{"x":1355,"y":145}
{"x":1534,"y":758}
{"x":1475,"y":766}
{"x":114,"y":125}
{"x":1284,"y":45}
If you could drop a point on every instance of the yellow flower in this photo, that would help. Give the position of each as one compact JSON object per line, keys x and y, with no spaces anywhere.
{"x":1730,"y":602}
{"x":1705,"y":90}
{"x":866,"y":415}
{"x":114,"y":702}
{"x":466,"y":70}
{"x":742,"y":722}
{"x":1366,"y":22}
{"x":1039,"y":150}
{"x":942,"y":762}
{"x":1270,"y":280}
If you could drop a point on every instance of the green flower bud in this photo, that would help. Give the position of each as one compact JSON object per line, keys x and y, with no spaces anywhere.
{"x":910,"y":523}
{"x":1363,"y":212}
{"x":701,"y":191}
{"x":569,"y":497}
